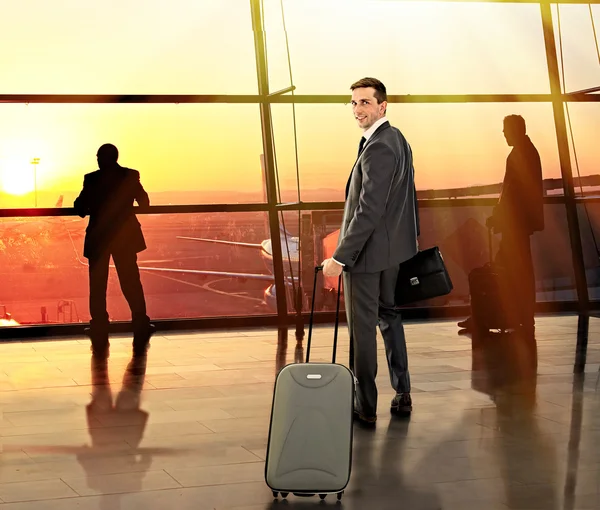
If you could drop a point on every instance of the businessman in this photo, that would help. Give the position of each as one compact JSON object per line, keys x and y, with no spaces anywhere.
{"x":107,"y":197}
{"x":378,"y":232}
{"x":518,"y":214}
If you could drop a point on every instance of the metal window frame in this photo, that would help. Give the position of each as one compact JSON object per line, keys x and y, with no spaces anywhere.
{"x":272,"y":207}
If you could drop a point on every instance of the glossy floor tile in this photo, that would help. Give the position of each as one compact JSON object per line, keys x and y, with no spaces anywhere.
{"x":504,"y":421}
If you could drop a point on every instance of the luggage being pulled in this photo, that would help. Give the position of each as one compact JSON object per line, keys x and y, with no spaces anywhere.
{"x":309,"y":448}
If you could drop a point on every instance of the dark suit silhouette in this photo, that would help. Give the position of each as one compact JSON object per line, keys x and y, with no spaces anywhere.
{"x":113,"y":229}
{"x":519,"y":213}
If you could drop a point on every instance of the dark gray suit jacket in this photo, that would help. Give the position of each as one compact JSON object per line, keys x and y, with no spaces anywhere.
{"x":380,"y":223}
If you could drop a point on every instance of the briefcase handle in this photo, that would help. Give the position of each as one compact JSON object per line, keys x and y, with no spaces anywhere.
{"x":312,"y":312}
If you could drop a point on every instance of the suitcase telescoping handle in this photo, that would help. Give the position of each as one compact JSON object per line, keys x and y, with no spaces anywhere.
{"x":312,"y":312}
{"x":490,"y":245}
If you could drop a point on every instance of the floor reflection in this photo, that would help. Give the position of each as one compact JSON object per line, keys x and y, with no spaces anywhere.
{"x":378,"y":478}
{"x":504,"y":421}
{"x":382,"y":474}
{"x":282,"y":349}
{"x":574,"y":441}
{"x":505,"y":368}
{"x":123,"y":424}
{"x":583,"y":325}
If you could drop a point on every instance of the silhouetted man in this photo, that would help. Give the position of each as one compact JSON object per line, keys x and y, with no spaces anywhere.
{"x":518,"y":214}
{"x":113,"y":229}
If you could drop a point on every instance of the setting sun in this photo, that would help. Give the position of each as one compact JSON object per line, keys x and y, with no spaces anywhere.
{"x":16,"y":179}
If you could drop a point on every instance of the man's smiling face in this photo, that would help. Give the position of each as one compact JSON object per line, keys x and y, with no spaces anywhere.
{"x":365,"y":107}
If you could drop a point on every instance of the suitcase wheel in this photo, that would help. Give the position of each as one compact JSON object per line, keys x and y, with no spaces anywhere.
{"x":322,"y":496}
{"x":275,"y":494}
{"x":284,"y":494}
{"x":339,"y":495}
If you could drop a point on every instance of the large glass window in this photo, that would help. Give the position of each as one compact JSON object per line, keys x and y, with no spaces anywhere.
{"x":453,"y":145}
{"x":185,"y":275}
{"x":585,"y":124}
{"x":579,"y":48}
{"x":589,"y":225}
{"x":413,"y":47}
{"x":45,"y":276}
{"x":127,"y":47}
{"x":213,"y":153}
{"x":462,"y":237}
{"x":186,"y":154}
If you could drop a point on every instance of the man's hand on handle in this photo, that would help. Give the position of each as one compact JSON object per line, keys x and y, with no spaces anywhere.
{"x":331,"y":268}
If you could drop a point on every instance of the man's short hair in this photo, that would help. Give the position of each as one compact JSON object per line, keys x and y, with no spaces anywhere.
{"x":516,"y":123}
{"x":380,"y":92}
{"x":108,"y":152}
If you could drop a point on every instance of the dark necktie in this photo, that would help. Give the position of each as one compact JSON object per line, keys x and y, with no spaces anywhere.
{"x":360,"y":148}
{"x":361,"y":144}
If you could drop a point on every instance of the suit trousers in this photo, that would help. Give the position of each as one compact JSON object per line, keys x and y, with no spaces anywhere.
{"x":369,"y":299}
{"x":514,"y":255}
{"x":131,"y":285}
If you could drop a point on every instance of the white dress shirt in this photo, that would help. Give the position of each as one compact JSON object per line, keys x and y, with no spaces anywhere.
{"x":369,"y":132}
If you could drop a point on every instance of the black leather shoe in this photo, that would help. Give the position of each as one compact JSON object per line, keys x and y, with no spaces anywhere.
{"x":363,"y":419}
{"x":100,"y":345}
{"x":100,"y":352}
{"x":466,"y":324}
{"x":141,"y":340}
{"x":401,"y":404}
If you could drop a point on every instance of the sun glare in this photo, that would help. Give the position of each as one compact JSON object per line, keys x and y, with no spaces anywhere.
{"x":16,"y":180}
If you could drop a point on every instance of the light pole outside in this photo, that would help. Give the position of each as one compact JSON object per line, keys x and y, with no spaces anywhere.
{"x":35,"y":162}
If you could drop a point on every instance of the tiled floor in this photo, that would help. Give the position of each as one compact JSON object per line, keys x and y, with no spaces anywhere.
{"x":487,"y":431}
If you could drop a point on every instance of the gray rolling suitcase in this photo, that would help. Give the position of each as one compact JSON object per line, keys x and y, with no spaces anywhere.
{"x":309,"y":449}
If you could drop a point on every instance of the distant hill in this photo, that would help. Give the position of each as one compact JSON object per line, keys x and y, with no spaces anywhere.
{"x":48,"y":199}
{"x":494,"y":189}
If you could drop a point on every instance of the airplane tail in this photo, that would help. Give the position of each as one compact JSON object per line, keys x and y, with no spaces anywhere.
{"x":284,"y":233}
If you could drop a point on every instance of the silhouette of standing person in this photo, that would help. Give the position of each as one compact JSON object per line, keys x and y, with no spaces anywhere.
{"x":518,"y":214}
{"x":107,"y":197}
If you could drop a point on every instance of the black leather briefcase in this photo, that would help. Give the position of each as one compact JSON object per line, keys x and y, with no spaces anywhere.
{"x":422,"y":277}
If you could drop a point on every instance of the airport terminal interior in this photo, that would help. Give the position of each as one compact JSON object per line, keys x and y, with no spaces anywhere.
{"x":239,"y":117}
{"x":498,"y":422}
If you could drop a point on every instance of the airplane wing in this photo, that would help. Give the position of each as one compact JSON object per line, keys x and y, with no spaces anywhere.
{"x":205,"y":272}
{"x":227,"y":274}
{"x":220,"y":241}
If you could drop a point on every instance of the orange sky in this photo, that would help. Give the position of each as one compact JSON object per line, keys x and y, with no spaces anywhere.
{"x":205,"y":47}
